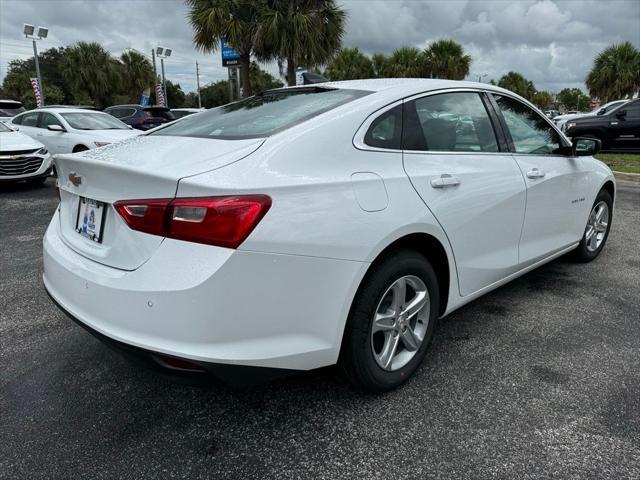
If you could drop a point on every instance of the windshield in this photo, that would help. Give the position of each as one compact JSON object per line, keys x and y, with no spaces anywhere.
{"x":261,"y":115}
{"x":4,"y":128}
{"x":93,"y":121}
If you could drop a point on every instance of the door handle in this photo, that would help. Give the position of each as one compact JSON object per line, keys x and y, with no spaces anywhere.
{"x":445,"y":180}
{"x":535,"y":173}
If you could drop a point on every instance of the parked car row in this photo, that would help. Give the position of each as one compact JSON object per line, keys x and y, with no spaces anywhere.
{"x":22,"y":157}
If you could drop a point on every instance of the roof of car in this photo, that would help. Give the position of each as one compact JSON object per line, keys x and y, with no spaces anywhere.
{"x":64,"y":110}
{"x":135,"y":105}
{"x":406,"y":86}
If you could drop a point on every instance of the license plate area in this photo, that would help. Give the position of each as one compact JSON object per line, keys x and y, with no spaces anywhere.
{"x":90,"y":219}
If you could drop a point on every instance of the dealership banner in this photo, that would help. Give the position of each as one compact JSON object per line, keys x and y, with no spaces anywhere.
{"x":36,"y":90}
{"x":160,"y":96}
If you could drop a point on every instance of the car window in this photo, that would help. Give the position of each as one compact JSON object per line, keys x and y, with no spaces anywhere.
{"x":93,"y":121}
{"x":632,"y":109}
{"x":261,"y":115}
{"x":449,"y":122}
{"x":47,"y":119}
{"x":161,"y":113}
{"x":530,"y":132}
{"x":29,"y":119}
{"x":385,"y":131}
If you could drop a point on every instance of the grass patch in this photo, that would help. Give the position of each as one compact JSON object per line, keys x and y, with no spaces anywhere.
{"x":621,"y":162}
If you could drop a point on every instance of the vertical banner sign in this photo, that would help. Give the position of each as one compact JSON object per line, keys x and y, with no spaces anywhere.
{"x":144,"y":98}
{"x":230,"y":58}
{"x":160,"y":95}
{"x":36,"y":91}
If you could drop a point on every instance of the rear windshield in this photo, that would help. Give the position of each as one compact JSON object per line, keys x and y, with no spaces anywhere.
{"x":160,"y":112}
{"x":9,"y":109}
{"x":261,"y":115}
{"x":93,"y":121}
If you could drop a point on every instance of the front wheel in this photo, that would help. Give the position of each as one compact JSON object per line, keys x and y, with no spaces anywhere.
{"x":391,"y":322}
{"x":597,"y":229}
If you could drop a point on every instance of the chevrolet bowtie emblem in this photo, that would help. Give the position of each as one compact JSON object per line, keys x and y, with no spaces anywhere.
{"x":75,"y":179}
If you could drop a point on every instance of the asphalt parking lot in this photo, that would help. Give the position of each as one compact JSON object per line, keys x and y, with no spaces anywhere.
{"x":539,"y":379}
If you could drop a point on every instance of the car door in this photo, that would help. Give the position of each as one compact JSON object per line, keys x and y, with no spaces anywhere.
{"x":460,"y":168}
{"x":557,"y":186}
{"x":624,"y":127}
{"x":54,"y":141}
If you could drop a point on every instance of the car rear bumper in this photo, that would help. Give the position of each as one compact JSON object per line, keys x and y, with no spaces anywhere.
{"x":209,"y":304}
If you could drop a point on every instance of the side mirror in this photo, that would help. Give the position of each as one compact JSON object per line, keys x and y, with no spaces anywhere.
{"x":56,"y":128}
{"x":621,"y":114}
{"x":602,"y":111}
{"x":585,"y":147}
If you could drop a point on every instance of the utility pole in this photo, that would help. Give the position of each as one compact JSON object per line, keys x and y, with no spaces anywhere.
{"x":164,"y":85}
{"x":198,"y":84}
{"x":42,"y":32}
{"x":35,"y":55}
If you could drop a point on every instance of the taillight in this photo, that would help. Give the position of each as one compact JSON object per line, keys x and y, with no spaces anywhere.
{"x":223,"y":221}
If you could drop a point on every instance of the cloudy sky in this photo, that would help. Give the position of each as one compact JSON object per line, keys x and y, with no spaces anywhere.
{"x":552,"y":42}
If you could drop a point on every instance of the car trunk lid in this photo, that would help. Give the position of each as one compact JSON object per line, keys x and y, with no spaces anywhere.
{"x":142,"y":167}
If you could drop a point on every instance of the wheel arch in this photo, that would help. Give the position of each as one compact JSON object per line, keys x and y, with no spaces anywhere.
{"x":79,"y":148}
{"x":610,"y":188}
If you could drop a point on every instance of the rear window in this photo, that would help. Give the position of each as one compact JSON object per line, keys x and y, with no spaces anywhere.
{"x":160,"y":112}
{"x":9,"y":109}
{"x":261,"y":115}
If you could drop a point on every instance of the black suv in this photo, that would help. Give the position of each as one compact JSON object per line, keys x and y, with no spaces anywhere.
{"x":142,"y":118}
{"x":618,"y":129}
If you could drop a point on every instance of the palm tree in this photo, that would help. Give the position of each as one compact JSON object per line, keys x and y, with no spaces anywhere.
{"x":349,"y":64}
{"x":542,"y":99}
{"x":615,"y":73}
{"x":380,"y":65}
{"x":137,"y":73}
{"x":234,"y":20}
{"x":445,"y":59}
{"x":90,"y":70}
{"x":300,"y":32}
{"x":515,"y":82}
{"x":404,"y":62}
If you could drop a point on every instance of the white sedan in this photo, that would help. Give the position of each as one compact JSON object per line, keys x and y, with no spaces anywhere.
{"x":71,"y":130}
{"x":22,"y":157}
{"x":314,"y":225}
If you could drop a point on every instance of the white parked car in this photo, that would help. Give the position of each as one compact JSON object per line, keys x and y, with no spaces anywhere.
{"x":70,"y":130}
{"x":561,"y":120}
{"x":9,"y":109}
{"x":22,"y":157}
{"x":314,"y":225}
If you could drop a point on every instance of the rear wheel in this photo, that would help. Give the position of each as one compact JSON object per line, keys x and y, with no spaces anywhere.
{"x":597,"y":229}
{"x":391,"y":322}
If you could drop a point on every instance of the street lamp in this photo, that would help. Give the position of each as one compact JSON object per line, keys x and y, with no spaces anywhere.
{"x":31,"y":32}
{"x":481,"y":76}
{"x":162,"y":53}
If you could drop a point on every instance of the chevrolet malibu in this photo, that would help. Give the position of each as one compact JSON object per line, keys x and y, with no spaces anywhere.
{"x":315,"y":225}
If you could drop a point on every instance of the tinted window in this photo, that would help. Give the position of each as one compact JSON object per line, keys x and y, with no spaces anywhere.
{"x":47,"y":119}
{"x":529,"y":131}
{"x":449,"y":122}
{"x":385,"y":130}
{"x":10,"y":109}
{"x":161,"y":113}
{"x":93,"y":121}
{"x":29,"y":119}
{"x":632,"y":109}
{"x":261,"y":115}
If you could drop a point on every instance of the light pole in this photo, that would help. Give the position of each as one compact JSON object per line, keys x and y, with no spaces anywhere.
{"x":30,"y":32}
{"x":162,"y":53}
{"x":481,"y":76}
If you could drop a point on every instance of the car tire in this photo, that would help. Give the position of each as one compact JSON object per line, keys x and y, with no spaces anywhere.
{"x":595,"y":234}
{"x":364,"y":347}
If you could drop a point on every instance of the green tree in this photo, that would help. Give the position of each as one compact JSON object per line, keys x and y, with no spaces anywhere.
{"x":215,"y":94}
{"x":262,"y":80}
{"x":175,"y":95}
{"x":299,"y":32}
{"x":236,"y":21}
{"x":615,"y":73}
{"x":515,"y":82}
{"x":445,"y":59}
{"x":89,"y":69}
{"x":350,"y":64}
{"x":574,"y":99}
{"x":404,"y":62}
{"x":136,"y":74}
{"x":542,"y":99}
{"x":380,"y":64}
